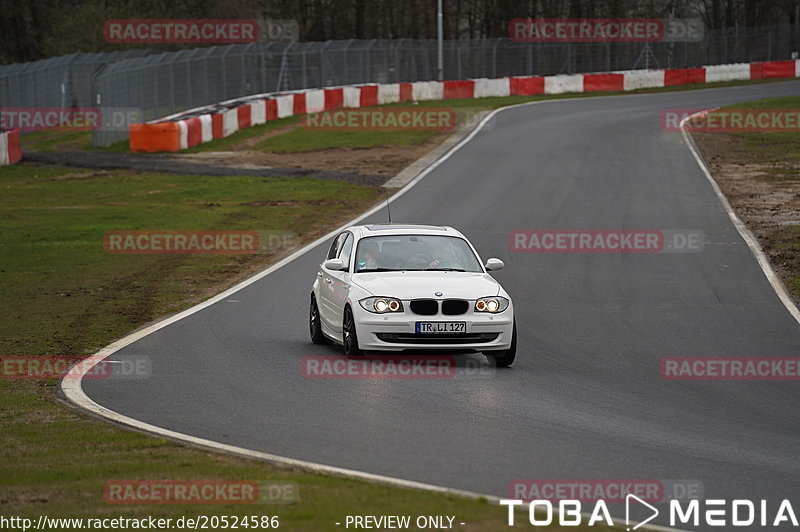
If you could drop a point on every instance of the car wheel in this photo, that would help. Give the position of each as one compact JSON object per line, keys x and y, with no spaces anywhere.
{"x":504,"y":359}
{"x":314,"y":325}
{"x":349,"y":338}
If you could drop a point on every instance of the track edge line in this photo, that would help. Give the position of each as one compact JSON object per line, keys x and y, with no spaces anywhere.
{"x":747,"y":235}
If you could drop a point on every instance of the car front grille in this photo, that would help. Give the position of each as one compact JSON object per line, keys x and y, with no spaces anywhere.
{"x":411,"y":338}
{"x":424,"y":307}
{"x":454,"y":307}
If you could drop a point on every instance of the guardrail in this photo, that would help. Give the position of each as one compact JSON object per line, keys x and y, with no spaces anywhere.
{"x":190,"y":128}
{"x":10,"y":151}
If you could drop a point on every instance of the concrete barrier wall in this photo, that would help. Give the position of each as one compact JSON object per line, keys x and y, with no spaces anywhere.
{"x":738,"y":71}
{"x":388,"y":93}
{"x":427,"y":90}
{"x":10,"y":150}
{"x":486,"y":88}
{"x":315,"y":101}
{"x":285,"y":105}
{"x":352,"y":97}
{"x":643,"y":79}
{"x":182,"y":131}
{"x":563,"y":84}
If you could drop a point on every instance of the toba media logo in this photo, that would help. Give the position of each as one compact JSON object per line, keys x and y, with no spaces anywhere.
{"x":710,"y":512}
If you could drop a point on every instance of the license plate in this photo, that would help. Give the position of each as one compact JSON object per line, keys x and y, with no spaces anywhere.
{"x":440,"y":327}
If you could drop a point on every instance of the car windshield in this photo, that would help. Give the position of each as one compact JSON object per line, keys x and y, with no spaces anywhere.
{"x":415,"y":253}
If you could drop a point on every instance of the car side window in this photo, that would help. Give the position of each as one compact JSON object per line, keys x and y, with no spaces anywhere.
{"x":346,"y":250}
{"x":333,"y":252}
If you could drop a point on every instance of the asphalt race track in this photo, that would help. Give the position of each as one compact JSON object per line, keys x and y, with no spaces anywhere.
{"x":585,"y":399}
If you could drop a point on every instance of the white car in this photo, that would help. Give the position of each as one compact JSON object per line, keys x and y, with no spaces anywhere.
{"x":392,"y":287}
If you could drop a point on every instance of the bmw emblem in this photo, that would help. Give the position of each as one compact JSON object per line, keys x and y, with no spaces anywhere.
{"x":438,"y":294}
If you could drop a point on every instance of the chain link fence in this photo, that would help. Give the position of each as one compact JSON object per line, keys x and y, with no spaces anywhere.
{"x":159,"y":84}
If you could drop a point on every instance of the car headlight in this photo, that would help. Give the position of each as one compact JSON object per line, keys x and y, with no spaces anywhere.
{"x":381,"y":305}
{"x":492,"y":305}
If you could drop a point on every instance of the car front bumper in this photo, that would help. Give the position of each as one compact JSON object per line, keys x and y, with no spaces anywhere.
{"x":396,"y":331}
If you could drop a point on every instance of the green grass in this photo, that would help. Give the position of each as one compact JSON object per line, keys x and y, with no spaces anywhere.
{"x":300,"y":140}
{"x":55,"y":140}
{"x":65,"y":293}
{"x":227,"y":143}
{"x":776,"y":146}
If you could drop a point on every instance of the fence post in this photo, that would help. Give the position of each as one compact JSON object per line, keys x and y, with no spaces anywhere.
{"x":322,"y":62}
{"x":494,"y":58}
{"x":283,"y":75}
{"x":769,"y":47}
{"x":397,"y":61}
{"x":368,"y":77}
{"x":305,"y":68}
{"x":172,"y":87}
{"x":346,"y":64}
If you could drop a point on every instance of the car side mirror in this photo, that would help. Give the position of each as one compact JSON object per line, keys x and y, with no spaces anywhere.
{"x":334,"y":265}
{"x":494,"y":264}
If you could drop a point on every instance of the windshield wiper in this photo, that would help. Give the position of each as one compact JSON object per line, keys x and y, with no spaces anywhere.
{"x":369,"y":270}
{"x":443,"y":270}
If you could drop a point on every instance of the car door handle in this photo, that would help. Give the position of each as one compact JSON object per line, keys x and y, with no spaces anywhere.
{"x":328,"y":280}
{"x":319,"y":274}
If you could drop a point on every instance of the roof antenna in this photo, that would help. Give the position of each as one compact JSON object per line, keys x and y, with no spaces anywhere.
{"x":388,"y":209}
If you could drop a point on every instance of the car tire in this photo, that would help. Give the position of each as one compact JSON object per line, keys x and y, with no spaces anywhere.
{"x":504,"y":359}
{"x":349,"y":337}
{"x":314,"y":324}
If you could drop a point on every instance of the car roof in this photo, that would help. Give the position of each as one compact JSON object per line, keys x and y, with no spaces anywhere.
{"x":403,"y":229}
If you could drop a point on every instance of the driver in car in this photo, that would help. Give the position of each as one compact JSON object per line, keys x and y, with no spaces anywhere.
{"x":369,"y":256}
{"x":441,"y":257}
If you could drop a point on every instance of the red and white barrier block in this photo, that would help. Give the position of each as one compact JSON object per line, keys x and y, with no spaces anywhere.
{"x":173,"y":134}
{"x":10,"y":151}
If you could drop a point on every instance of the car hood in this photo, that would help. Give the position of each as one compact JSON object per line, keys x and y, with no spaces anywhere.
{"x":414,"y":285}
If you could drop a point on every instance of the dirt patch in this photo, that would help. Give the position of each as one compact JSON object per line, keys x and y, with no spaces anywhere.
{"x":292,"y":203}
{"x":249,"y":144}
{"x":78,"y":176}
{"x":385,"y":161}
{"x":763,"y":188}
